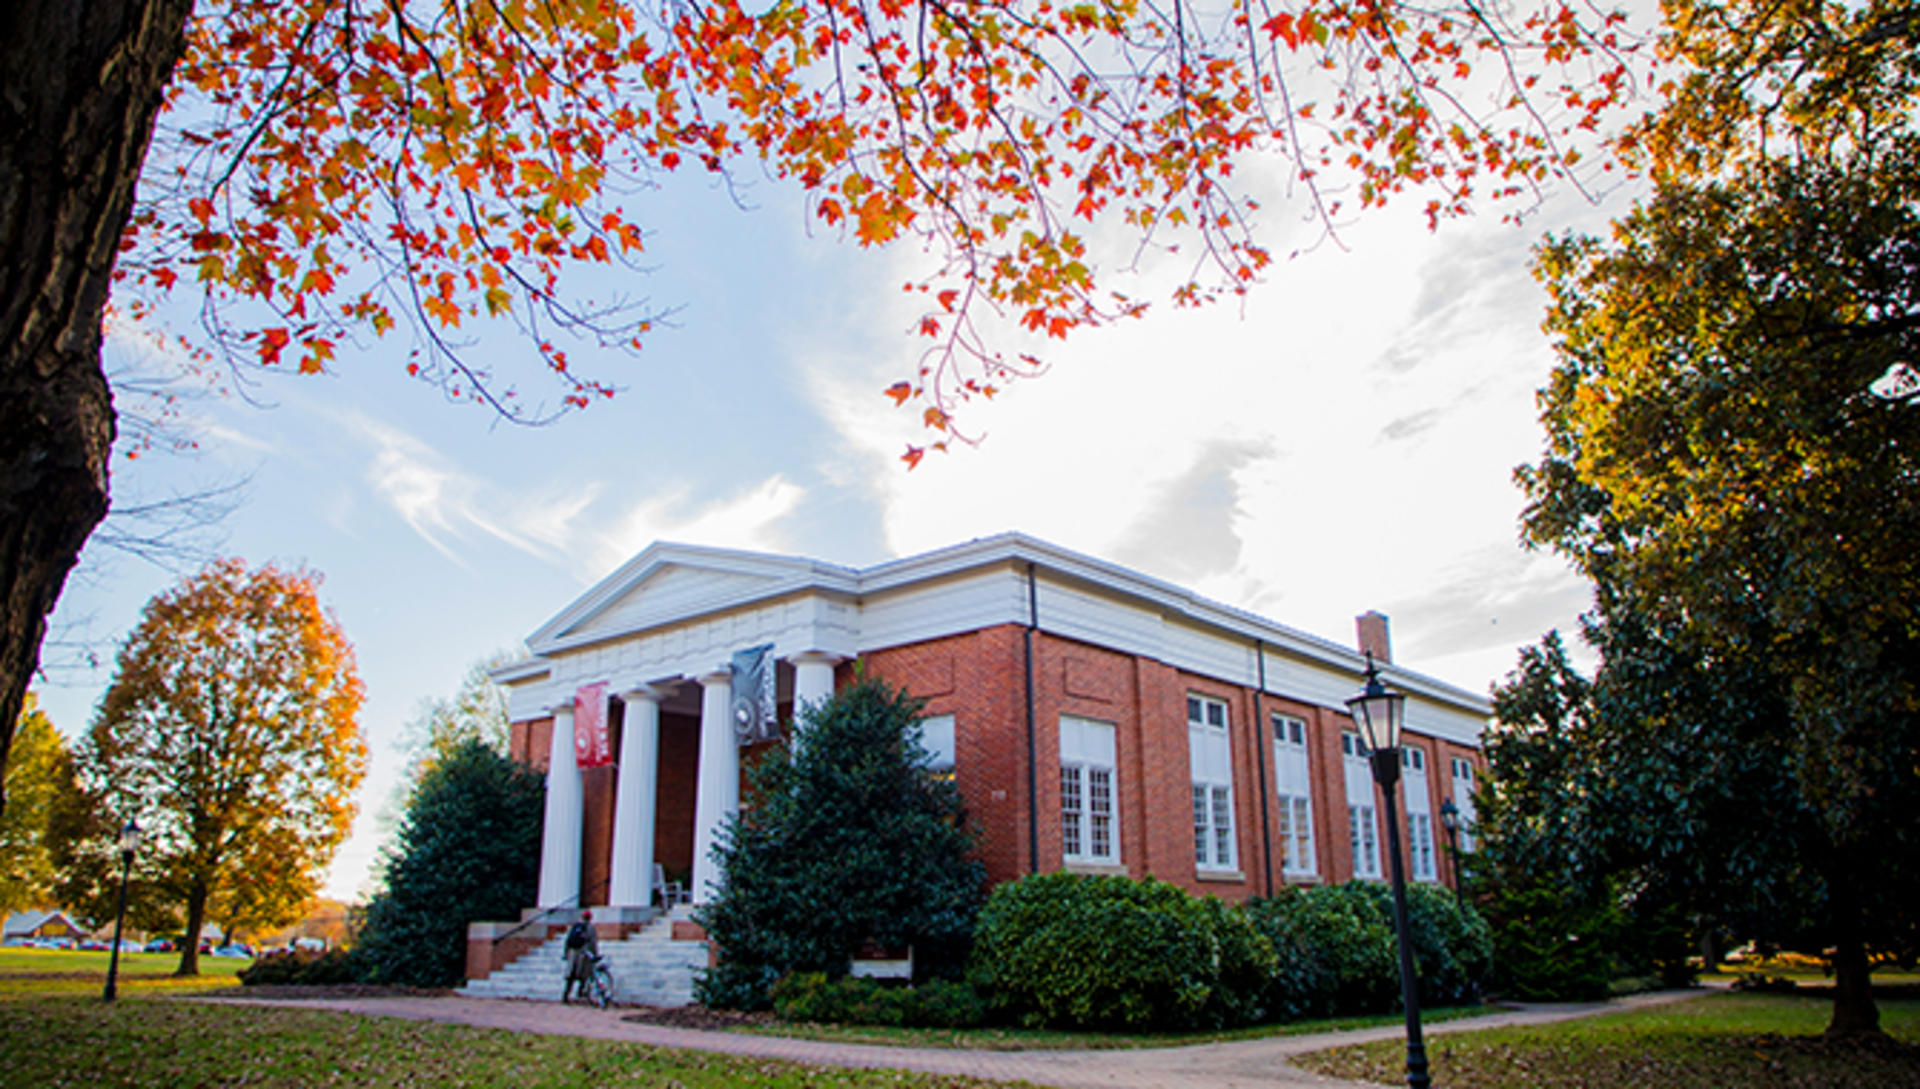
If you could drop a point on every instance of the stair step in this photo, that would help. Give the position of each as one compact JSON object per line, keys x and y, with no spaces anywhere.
{"x":648,"y":966}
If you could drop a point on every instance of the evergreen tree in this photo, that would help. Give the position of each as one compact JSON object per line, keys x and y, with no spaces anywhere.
{"x":468,"y":849}
{"x":847,"y":839}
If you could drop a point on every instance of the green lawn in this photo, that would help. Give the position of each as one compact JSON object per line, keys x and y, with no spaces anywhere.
{"x":1758,"y":1040}
{"x":160,"y":1042}
{"x":41,"y":973}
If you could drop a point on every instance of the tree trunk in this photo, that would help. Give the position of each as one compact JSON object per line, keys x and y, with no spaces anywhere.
{"x":196,"y":919}
{"x":80,"y":81}
{"x":1854,"y":1011}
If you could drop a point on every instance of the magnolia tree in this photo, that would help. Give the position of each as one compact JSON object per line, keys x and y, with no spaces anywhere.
{"x":323,"y":172}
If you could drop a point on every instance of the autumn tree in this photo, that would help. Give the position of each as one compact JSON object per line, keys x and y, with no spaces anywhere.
{"x":1747,"y":511}
{"x":331,"y":171}
{"x":41,"y":769}
{"x":230,"y":733}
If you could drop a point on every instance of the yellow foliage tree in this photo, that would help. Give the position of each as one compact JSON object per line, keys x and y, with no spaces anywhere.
{"x":231,"y":733}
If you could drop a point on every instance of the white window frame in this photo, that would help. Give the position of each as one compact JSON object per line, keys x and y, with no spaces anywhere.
{"x":1210,"y":757}
{"x":1418,"y":802}
{"x":1089,"y":770}
{"x":1293,"y":787}
{"x":937,"y":738}
{"x":1420,"y":847}
{"x":1363,"y":820}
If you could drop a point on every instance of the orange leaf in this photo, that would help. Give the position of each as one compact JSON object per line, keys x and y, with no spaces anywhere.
{"x":900,"y":391}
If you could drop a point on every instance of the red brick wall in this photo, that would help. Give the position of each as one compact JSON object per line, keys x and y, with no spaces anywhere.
{"x":979,"y":677}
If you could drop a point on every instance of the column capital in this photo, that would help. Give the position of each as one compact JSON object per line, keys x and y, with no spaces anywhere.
{"x":561,"y":706}
{"x":717,"y":678}
{"x":652,"y":693}
{"x":816,"y":657}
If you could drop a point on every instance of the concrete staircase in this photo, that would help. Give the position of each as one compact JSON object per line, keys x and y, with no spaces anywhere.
{"x":649,"y":968}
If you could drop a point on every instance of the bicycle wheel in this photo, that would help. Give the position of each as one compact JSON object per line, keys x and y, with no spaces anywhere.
{"x":600,"y":988}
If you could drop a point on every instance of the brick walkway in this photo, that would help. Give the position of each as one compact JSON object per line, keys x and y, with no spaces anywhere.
{"x":1244,"y":1064}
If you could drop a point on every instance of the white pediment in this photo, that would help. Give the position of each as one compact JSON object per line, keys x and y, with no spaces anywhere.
{"x":668,"y":584}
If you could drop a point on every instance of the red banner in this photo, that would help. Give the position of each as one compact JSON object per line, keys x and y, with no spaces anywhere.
{"x":590,"y":726}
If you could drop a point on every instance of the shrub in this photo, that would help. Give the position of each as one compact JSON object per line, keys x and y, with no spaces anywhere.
{"x":811,"y":996}
{"x":1335,"y":951}
{"x":1338,"y":953}
{"x":850,"y":840}
{"x":333,"y":967}
{"x":1112,"y":953}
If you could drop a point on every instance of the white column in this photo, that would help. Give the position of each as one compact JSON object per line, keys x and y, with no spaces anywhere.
{"x":719,"y":793}
{"x":560,"y":837}
{"x":633,"y":805}
{"x":812,"y":683}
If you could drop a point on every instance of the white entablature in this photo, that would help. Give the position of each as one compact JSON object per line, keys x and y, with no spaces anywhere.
{"x":678,"y":611}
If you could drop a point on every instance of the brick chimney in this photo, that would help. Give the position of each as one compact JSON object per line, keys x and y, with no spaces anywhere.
{"x":1372,"y":629}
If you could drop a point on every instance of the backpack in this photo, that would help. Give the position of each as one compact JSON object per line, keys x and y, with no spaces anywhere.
{"x":576,"y":936}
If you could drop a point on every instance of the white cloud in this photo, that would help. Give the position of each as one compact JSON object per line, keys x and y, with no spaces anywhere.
{"x":1345,"y":443}
{"x":746,"y":519}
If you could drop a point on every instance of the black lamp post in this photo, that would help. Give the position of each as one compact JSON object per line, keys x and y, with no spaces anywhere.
{"x":1450,"y":820}
{"x":129,"y":839}
{"x":1379,"y":712}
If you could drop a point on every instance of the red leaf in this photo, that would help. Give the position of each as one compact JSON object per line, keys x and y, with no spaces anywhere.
{"x":900,"y":391}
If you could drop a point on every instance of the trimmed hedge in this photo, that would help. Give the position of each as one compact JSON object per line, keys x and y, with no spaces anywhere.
{"x":1072,"y":951}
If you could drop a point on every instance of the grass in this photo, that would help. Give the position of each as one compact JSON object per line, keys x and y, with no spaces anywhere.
{"x":46,"y":973}
{"x":1758,"y":1040}
{"x":167,"y":1043}
{"x":1020,"y":1039}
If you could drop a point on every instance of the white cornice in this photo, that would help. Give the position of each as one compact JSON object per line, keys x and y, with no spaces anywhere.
{"x":786,"y":576}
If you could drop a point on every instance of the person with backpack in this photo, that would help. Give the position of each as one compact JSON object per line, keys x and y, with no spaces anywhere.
{"x":581,"y":949}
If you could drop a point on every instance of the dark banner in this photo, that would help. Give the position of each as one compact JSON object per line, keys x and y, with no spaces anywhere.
{"x":753,"y":707}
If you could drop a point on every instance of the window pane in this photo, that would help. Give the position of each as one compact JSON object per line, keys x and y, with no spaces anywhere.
{"x":1193,"y":709}
{"x":1100,"y":812}
{"x":1200,"y":824}
{"x":1070,"y":811}
{"x":1222,"y":827}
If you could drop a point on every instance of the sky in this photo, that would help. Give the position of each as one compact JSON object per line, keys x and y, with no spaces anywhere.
{"x":1342,"y":441}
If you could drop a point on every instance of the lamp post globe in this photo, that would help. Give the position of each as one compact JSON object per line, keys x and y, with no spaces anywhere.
{"x":129,"y":842}
{"x":1379,"y":712}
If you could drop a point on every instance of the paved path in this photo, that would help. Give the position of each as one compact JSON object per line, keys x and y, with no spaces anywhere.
{"x":1242,"y":1064}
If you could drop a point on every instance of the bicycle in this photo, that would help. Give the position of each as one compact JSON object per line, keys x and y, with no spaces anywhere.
{"x":600,"y":983}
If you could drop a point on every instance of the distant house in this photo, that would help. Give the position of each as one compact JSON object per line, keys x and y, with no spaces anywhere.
{"x":1094,"y":719}
{"x":56,"y":925}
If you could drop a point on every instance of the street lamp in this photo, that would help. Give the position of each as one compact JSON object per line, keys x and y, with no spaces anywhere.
{"x":129,"y":839}
{"x":1379,"y":712}
{"x":1450,"y":820}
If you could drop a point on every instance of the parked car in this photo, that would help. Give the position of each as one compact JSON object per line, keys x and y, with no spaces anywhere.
{"x":237,"y":950}
{"x":93,"y":945}
{"x":159,"y":945}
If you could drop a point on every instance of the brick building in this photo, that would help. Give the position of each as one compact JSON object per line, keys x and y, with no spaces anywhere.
{"x":1093,"y":718}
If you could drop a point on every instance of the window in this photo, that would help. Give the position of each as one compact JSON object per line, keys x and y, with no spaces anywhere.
{"x":1419,"y":806}
{"x":1363,"y":826}
{"x":1420,"y":845}
{"x":1089,"y":829}
{"x":1210,"y":756}
{"x":1463,"y":800}
{"x":1294,"y":784}
{"x":936,"y":737}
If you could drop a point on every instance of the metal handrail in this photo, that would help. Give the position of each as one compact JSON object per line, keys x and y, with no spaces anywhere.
{"x":569,"y":904}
